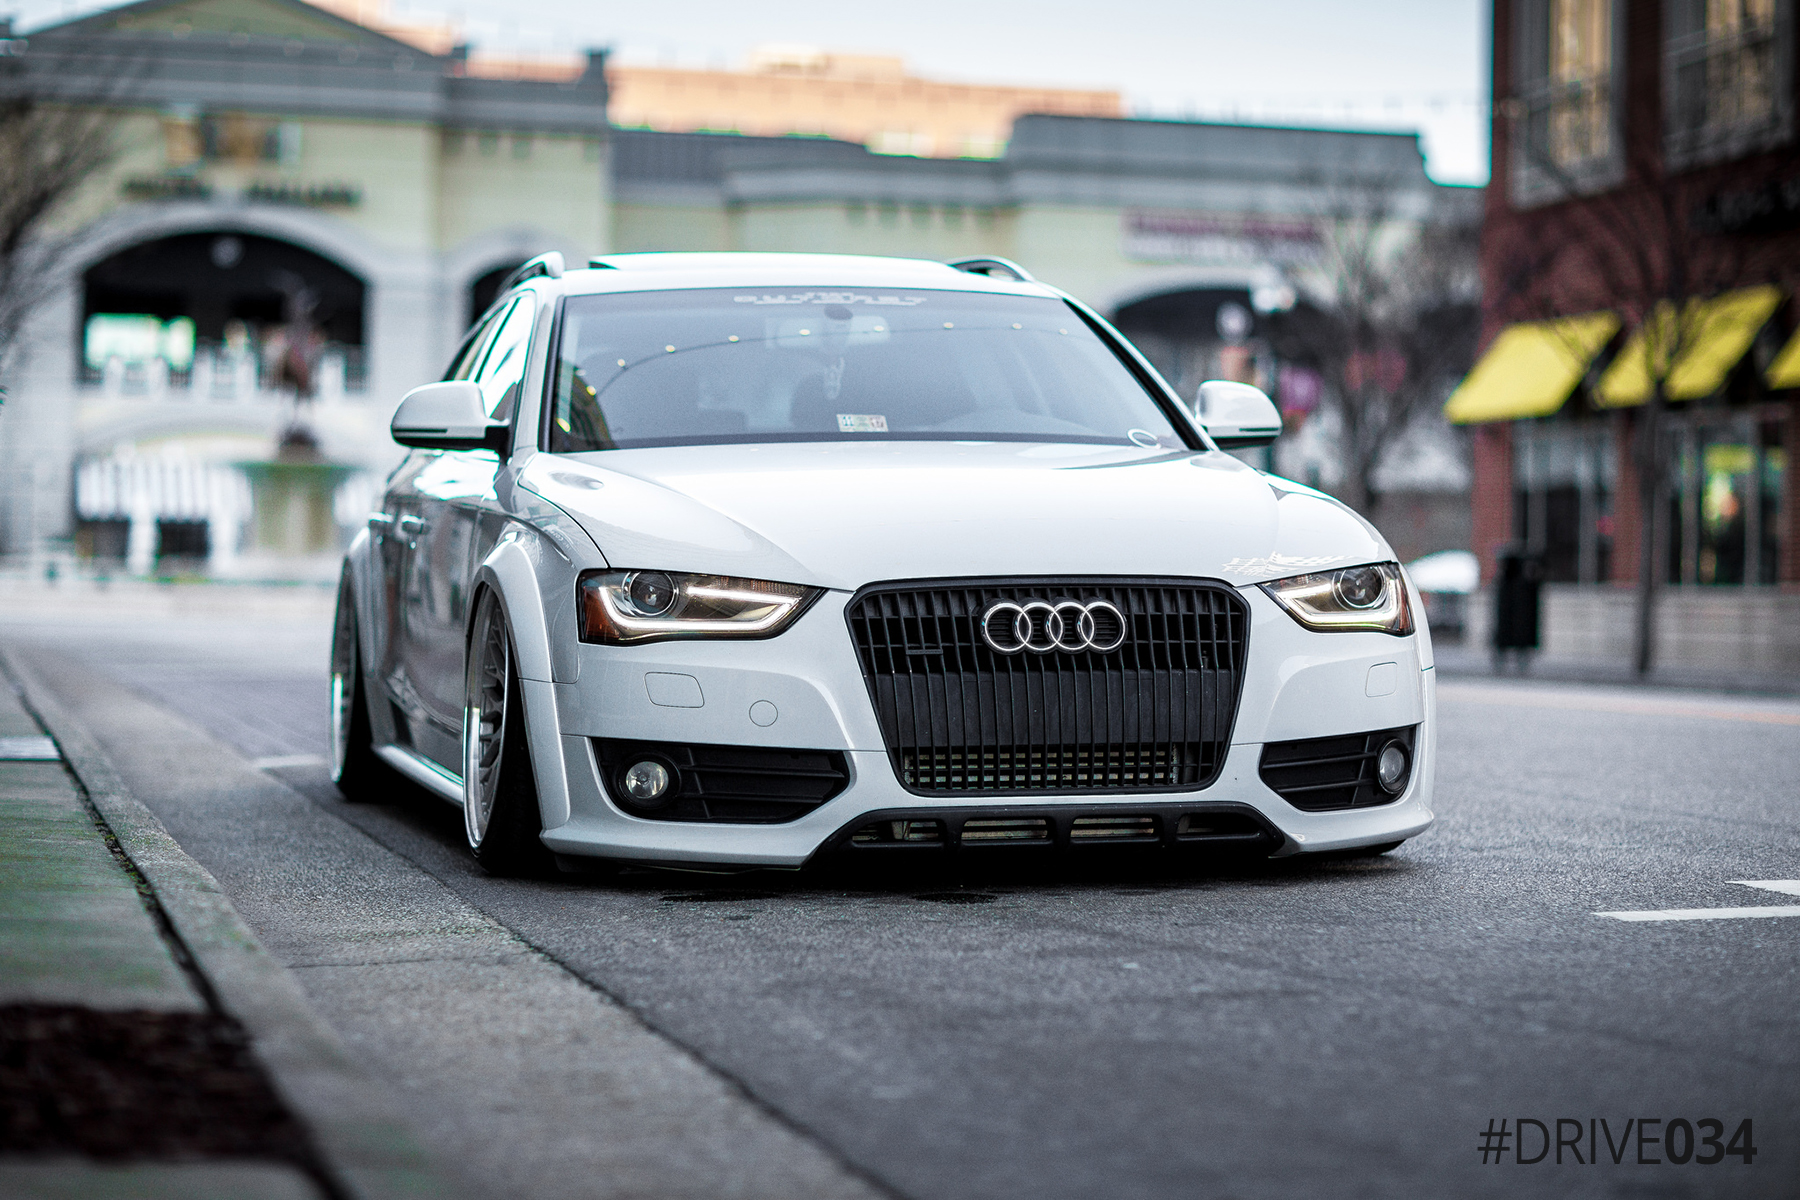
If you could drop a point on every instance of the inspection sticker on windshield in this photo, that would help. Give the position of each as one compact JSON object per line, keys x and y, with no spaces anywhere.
{"x":862,"y":423}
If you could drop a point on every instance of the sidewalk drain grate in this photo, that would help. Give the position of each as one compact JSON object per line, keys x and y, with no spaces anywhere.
{"x":28,"y":749}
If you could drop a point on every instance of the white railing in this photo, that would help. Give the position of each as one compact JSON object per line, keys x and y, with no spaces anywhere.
{"x":219,"y":378}
{"x":144,"y":490}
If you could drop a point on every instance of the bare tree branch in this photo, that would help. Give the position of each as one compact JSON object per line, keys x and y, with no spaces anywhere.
{"x":1395,"y":324}
{"x":50,"y":145}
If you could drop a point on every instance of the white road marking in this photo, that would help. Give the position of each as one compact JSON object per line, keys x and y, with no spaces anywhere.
{"x":1705,"y":914}
{"x":278,"y":761}
{"x":1788,"y":887}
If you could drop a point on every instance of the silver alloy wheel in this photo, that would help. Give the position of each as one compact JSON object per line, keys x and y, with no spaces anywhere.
{"x":484,"y":721}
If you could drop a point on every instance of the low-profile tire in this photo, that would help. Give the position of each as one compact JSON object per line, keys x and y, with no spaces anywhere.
{"x":358,"y":773}
{"x":500,"y":801}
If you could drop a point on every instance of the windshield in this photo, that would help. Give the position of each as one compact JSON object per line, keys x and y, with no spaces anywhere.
{"x":735,"y":365}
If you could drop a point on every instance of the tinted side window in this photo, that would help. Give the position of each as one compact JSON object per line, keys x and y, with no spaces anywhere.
{"x":503,"y":362}
{"x":470,"y":354}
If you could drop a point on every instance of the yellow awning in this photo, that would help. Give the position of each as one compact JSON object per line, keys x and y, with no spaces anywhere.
{"x":1711,"y":338}
{"x":1784,"y":372}
{"x":1531,"y":369}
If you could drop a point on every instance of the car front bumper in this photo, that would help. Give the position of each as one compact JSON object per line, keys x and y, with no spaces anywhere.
{"x":1298,"y":684}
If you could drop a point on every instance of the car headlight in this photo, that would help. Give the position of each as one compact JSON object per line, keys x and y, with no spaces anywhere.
{"x":647,"y":606}
{"x":1371,"y":597}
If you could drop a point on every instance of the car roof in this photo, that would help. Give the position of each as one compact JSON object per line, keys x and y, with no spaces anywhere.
{"x":660,"y":272}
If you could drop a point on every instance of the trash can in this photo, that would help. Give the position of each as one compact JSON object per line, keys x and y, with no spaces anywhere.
{"x":1517,"y":600}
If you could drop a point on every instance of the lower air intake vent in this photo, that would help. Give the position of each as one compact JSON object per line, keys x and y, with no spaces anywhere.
{"x":1152,"y":829}
{"x":1117,"y":829}
{"x":1321,"y":774}
{"x":1219,"y":827}
{"x":1006,"y":829}
{"x":740,"y":784}
{"x":899,"y":833}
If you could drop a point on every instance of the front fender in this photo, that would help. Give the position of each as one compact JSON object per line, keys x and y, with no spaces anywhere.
{"x":516,"y":572}
{"x":512,"y":571}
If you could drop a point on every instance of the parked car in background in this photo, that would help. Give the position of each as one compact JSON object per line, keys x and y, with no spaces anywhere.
{"x":1445,"y":582}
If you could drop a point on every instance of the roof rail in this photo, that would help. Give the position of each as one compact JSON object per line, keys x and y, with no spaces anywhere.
{"x":550,"y":264}
{"x":599,"y":263}
{"x":989,"y":266}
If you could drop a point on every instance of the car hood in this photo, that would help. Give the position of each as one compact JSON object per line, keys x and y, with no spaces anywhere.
{"x":841,"y":516}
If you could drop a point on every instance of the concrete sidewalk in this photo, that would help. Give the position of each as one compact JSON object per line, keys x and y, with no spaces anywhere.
{"x":148,"y":1046}
{"x":1465,"y":660}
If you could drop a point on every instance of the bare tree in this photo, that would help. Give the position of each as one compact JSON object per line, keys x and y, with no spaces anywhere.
{"x":1391,"y":325}
{"x":49,"y":146}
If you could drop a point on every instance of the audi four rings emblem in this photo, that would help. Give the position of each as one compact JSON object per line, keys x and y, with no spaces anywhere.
{"x":1041,"y":627}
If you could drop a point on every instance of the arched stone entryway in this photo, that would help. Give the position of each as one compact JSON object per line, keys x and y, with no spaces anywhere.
{"x":487,"y":286}
{"x":219,"y":296}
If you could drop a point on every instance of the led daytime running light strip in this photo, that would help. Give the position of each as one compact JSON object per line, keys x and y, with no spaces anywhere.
{"x":627,"y":623}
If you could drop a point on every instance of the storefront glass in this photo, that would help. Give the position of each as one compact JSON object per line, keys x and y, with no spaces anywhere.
{"x":1727,"y":472}
{"x":1563,"y":481}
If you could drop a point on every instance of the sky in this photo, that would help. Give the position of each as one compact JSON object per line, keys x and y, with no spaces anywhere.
{"x":1373,"y":64}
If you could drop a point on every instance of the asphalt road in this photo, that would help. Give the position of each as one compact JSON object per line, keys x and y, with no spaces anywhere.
{"x":1125,"y":1029}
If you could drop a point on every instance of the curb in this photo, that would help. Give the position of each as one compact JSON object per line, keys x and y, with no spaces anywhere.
{"x":367,"y":1150}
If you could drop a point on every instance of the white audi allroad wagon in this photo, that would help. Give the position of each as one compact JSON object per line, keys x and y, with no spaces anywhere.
{"x":736,"y":560}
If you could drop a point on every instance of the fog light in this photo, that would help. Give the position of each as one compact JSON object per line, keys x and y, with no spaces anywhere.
{"x":1391,"y":767}
{"x":647,"y":782}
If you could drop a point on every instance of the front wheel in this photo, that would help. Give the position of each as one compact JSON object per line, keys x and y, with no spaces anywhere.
{"x":500,"y":804}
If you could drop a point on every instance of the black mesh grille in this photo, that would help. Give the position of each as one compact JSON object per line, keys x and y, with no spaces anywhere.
{"x":1319,"y":774}
{"x":1154,"y":714}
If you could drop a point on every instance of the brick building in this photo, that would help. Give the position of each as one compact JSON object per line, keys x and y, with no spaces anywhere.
{"x":1641,"y":269}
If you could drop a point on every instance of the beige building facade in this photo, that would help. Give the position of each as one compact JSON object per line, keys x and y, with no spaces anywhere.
{"x":276,"y":157}
{"x":274,"y":161}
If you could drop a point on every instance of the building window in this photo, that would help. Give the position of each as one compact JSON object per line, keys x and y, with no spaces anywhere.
{"x":1727,"y":77}
{"x":1563,"y":483}
{"x":1567,"y":100}
{"x":1578,"y":101}
{"x":1725,"y":490}
{"x":238,"y":138}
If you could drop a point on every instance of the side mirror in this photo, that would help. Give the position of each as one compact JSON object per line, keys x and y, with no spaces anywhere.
{"x":447,"y":416}
{"x":1237,"y":415}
